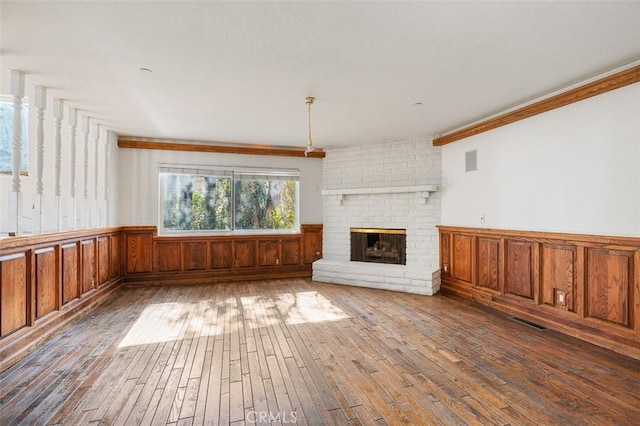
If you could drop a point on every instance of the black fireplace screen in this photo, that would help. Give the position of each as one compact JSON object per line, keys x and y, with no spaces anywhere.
{"x":379,"y":245}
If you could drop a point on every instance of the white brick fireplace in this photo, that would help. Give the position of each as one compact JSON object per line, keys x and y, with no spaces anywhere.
{"x":395,"y":185}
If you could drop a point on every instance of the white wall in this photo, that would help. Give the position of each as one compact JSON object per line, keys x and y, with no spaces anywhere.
{"x":138,"y":180}
{"x":573,"y":169}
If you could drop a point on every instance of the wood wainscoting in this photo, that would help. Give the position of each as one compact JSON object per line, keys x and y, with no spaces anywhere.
{"x":48,"y":280}
{"x":585,"y":286}
{"x":150,"y":258}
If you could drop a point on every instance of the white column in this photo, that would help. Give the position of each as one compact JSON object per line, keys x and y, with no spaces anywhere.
{"x":105,"y":176}
{"x":84,"y":205}
{"x":71,"y":208}
{"x":97,"y":160}
{"x":15,"y":196}
{"x":58,"y":113}
{"x":95,"y":215}
{"x":40,"y":102}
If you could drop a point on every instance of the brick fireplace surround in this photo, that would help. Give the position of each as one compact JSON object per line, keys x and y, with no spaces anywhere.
{"x":393,"y":184}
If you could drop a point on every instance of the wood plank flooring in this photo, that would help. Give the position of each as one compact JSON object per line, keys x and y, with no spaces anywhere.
{"x":294,"y":351}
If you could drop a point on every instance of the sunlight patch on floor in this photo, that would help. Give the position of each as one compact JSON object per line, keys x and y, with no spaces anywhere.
{"x":295,"y":308}
{"x":165,"y":322}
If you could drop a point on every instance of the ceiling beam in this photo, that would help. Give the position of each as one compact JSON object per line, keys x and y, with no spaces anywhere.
{"x":221,"y":149}
{"x":598,"y":87}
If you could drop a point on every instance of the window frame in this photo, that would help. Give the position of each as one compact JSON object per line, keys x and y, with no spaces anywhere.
{"x":230,"y":171}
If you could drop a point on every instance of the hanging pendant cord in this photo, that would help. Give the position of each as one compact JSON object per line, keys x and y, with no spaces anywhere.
{"x":309,"y":110}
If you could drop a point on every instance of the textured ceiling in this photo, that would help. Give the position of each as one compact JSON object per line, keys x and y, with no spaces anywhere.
{"x":239,"y":71}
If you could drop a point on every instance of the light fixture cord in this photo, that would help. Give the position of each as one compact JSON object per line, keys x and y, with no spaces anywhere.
{"x":309,"y":111}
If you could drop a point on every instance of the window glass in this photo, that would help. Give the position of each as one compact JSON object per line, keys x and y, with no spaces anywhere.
{"x":6,"y":136}
{"x":210,"y":200}
{"x":265,"y":204}
{"x":195,"y":202}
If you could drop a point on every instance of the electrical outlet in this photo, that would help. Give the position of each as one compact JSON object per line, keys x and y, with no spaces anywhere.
{"x":561,"y":298}
{"x":481,"y":217}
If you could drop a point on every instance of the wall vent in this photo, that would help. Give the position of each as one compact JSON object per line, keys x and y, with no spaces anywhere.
{"x":471,"y":161}
{"x":528,"y":323}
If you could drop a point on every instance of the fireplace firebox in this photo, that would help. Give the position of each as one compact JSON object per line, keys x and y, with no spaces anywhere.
{"x":379,"y":245}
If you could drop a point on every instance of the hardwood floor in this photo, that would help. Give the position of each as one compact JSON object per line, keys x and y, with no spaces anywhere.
{"x":311,"y":353}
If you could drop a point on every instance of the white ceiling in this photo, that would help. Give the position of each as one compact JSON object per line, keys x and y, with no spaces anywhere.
{"x":239,"y":71}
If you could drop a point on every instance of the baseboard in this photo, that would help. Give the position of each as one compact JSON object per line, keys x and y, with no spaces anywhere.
{"x":209,"y":277}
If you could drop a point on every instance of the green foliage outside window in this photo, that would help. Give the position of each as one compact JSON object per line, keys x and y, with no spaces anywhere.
{"x":194,"y":202}
{"x":203,"y":202}
{"x":264,"y":204}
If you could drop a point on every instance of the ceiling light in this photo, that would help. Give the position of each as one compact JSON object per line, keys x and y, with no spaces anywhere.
{"x":309,"y":100}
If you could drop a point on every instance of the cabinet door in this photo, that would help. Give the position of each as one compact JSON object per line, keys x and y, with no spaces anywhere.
{"x":195,"y":256}
{"x":312,"y":245}
{"x":291,"y":252}
{"x":168,"y":255}
{"x":138,"y":252}
{"x":245,"y":254}
{"x":103,"y":260}
{"x":88,"y":265}
{"x":269,"y":252}
{"x":116,"y":261}
{"x":221,"y":255}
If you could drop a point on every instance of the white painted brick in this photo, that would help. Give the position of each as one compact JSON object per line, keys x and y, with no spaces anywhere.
{"x":388,"y":163}
{"x":399,"y":281}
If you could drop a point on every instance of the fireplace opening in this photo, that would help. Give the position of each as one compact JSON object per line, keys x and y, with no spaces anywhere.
{"x":379,"y":245}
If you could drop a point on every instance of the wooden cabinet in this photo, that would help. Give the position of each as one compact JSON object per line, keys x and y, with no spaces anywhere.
{"x":245,"y":254}
{"x":281,"y":252}
{"x":70,"y":278}
{"x":168,"y":257}
{"x":312,"y":240}
{"x":290,"y":250}
{"x":46,"y":281}
{"x":116,"y":256}
{"x":103,"y":260}
{"x":88,"y":269}
{"x":269,"y":252}
{"x":195,"y":256}
{"x":221,"y":256}
{"x":206,"y":258}
{"x":13,"y":297}
{"x":138,"y":252}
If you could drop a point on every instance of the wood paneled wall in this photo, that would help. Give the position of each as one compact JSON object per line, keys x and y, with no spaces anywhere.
{"x":192,"y":259}
{"x":584,"y":285}
{"x":47,"y":279}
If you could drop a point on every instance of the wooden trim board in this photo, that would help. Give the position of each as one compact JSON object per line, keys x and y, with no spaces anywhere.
{"x":598,"y":87}
{"x":221,"y":149}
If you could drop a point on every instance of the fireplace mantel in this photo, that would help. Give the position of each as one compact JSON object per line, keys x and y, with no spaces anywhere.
{"x":423,"y":190}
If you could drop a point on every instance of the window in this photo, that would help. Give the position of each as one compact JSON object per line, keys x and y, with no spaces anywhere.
{"x":6,"y":135}
{"x":194,"y":200}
